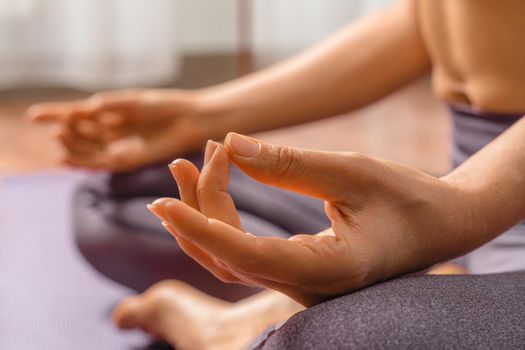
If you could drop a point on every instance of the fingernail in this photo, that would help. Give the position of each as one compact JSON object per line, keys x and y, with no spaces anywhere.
{"x":177,"y":175}
{"x":168,"y":228}
{"x":211,"y":146}
{"x":161,"y":202}
{"x":176,"y":161}
{"x":217,"y":150}
{"x":243,"y":146}
{"x":175,"y":170}
{"x":157,"y":207}
{"x":157,"y":211}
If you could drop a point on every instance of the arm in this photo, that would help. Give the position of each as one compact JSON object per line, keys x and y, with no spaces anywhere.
{"x":493,"y":182}
{"x":124,"y":130}
{"x":359,"y":65}
{"x":387,"y":219}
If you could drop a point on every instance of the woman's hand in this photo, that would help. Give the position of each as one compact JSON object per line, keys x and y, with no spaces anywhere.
{"x":126,"y":129}
{"x":387,"y":220}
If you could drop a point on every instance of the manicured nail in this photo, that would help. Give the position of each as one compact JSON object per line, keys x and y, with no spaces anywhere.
{"x":156,"y":210}
{"x":174,"y":168}
{"x":211,"y":146}
{"x":175,"y":162}
{"x":161,"y":202}
{"x":243,"y":146}
{"x":157,"y":207}
{"x":218,"y":149}
{"x":176,"y":172}
{"x":170,"y":229}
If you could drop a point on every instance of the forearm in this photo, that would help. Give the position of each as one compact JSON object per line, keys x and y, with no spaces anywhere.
{"x":359,"y":65}
{"x":492,"y":182}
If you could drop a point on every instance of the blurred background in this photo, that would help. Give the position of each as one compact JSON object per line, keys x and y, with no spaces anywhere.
{"x":68,"y":49}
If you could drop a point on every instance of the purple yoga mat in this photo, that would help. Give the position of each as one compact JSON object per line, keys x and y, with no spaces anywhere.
{"x":49,"y":297}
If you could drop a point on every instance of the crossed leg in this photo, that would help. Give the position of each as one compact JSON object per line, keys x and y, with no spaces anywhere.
{"x":184,"y":316}
{"x":424,"y":312}
{"x":180,"y":314}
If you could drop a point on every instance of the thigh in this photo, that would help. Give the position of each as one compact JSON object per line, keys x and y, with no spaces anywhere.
{"x":124,"y":242}
{"x":427,"y":312}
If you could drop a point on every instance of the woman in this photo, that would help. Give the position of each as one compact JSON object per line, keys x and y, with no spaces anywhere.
{"x":475,"y":51}
{"x":386,"y":220}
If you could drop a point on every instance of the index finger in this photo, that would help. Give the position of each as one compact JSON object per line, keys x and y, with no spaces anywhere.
{"x":272,"y":258}
{"x":212,"y":189}
{"x":51,"y":111}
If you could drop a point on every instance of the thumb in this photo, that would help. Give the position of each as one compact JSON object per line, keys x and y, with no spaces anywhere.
{"x":331,"y":176}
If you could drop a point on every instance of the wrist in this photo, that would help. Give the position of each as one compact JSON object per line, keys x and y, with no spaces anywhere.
{"x":466,"y":222}
{"x":217,"y":115}
{"x":202,"y":116}
{"x":440,"y":217}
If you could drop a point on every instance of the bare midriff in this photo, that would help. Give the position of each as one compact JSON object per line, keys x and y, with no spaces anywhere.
{"x":477,"y":49}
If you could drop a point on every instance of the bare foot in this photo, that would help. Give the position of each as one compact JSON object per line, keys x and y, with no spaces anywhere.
{"x":447,"y":269}
{"x":189,"y":319}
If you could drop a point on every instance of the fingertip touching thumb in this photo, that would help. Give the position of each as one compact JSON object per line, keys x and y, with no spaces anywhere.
{"x":242,"y":146}
{"x":305,"y":171}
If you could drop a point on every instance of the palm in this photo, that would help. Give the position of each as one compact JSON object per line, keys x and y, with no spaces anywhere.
{"x":123,"y":130}
{"x":312,"y":271}
{"x":375,"y":209}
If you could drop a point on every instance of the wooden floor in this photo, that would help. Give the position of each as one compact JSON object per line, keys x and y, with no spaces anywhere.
{"x":409,"y":127}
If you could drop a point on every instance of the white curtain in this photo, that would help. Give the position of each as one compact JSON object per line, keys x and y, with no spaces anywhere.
{"x":101,"y":44}
{"x":283,"y":27}
{"x":91,"y":44}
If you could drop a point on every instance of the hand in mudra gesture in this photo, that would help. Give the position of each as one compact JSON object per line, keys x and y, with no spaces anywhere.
{"x":387,"y":220}
{"x":124,"y":130}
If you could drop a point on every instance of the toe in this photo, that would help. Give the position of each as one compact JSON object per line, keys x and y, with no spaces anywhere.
{"x":130,"y":313}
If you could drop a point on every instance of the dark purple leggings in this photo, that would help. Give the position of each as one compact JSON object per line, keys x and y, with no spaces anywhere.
{"x":425,"y":312}
{"x":123,"y":241}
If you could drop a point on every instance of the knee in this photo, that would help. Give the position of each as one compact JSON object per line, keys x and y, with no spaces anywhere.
{"x":426,"y":312}
{"x":117,"y":237}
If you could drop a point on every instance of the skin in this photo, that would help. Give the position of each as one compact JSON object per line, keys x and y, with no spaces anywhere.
{"x":358,"y":249}
{"x":353,"y":253}
{"x":471,"y":62}
{"x":176,"y":312}
{"x":477,"y":51}
{"x":279,"y":96}
{"x":485,"y":74}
